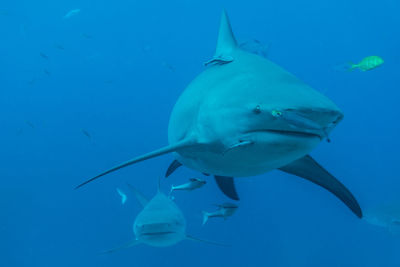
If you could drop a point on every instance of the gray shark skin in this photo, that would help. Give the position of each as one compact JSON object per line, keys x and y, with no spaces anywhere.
{"x":244,"y":116}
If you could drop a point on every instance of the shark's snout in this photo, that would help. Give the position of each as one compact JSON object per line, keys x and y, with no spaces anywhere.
{"x":306,"y":122}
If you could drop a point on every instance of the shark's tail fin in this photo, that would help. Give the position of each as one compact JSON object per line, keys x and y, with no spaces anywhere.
{"x":206,"y":215}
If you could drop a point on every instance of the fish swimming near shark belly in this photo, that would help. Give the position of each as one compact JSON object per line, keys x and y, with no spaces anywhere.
{"x":160,"y":224}
{"x":225,"y":122}
{"x":194,"y":183}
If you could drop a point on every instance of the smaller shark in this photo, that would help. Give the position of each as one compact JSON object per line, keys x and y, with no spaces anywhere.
{"x":224,"y":210}
{"x":194,"y":183}
{"x":160,"y":223}
{"x":387,"y":216}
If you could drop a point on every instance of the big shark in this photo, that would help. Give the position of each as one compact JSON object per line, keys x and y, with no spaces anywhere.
{"x":244,"y":116}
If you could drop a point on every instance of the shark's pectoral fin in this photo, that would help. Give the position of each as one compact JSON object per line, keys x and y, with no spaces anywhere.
{"x":309,"y":169}
{"x":127,"y":245}
{"x":172,"y":167}
{"x":227,"y":186}
{"x":139,"y":196}
{"x":168,"y":149}
{"x":189,"y":237}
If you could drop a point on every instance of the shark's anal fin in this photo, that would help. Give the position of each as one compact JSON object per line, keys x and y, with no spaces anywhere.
{"x":139,"y":196}
{"x":227,"y":186}
{"x":309,"y":169}
{"x":126,"y":245}
{"x":156,"y":153}
{"x":172,"y":167}
{"x":189,"y":237}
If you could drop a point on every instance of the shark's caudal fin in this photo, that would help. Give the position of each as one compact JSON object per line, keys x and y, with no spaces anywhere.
{"x":189,"y":237}
{"x":139,"y":196}
{"x":309,"y":169}
{"x":156,"y":153}
{"x":127,"y":245}
{"x":227,"y":186}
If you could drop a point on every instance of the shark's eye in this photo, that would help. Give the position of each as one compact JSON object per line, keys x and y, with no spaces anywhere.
{"x":257,"y":109}
{"x":276,"y":113}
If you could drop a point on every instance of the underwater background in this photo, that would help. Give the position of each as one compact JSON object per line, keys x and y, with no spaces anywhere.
{"x":83,"y":93}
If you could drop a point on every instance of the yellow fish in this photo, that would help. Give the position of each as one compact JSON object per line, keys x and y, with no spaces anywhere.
{"x":367,"y":63}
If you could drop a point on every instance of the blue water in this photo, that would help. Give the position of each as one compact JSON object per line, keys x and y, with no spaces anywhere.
{"x":115,"y":70}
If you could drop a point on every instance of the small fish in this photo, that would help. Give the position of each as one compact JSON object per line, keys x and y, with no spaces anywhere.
{"x":86,"y":133}
{"x":43,"y":55}
{"x":168,"y":66}
{"x":368,"y":63}
{"x":194,"y":183}
{"x":123,"y":196}
{"x":32,"y":81}
{"x":48,"y":73}
{"x":224,"y":210}
{"x":256,"y":47}
{"x":30,"y":124}
{"x":19,"y":131}
{"x":58,"y":46}
{"x":87,"y":36}
{"x":72,"y":13}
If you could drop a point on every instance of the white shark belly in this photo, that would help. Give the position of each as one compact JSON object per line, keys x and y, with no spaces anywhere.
{"x":249,"y":160}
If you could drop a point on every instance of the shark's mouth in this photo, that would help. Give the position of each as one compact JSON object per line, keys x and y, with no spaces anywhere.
{"x":158,"y":233}
{"x":289,"y":133}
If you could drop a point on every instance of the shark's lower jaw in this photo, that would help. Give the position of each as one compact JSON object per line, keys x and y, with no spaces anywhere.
{"x":157,"y":233}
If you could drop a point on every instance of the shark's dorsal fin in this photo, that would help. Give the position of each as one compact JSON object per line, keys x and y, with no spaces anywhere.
{"x":139,"y":196}
{"x":226,"y":40}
